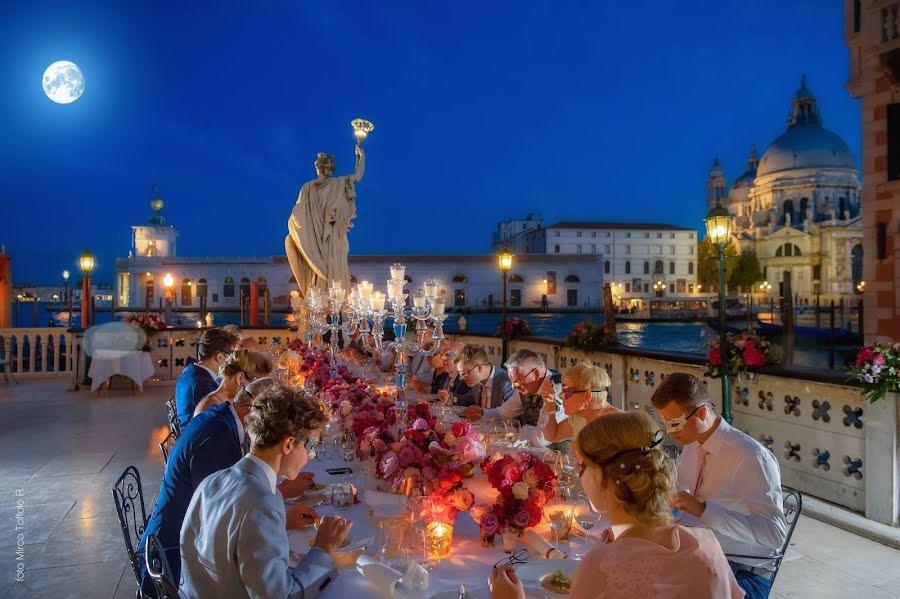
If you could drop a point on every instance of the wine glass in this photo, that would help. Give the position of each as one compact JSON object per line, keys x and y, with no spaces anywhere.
{"x":553,"y":458}
{"x":348,"y":451}
{"x":587,"y":518}
{"x":513,"y":431}
{"x":559,"y":516}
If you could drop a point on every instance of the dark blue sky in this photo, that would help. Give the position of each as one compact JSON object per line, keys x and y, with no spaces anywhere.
{"x":483,"y":111}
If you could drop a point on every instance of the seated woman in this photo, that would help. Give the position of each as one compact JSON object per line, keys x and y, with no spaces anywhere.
{"x":626,"y":474}
{"x":234,"y":542}
{"x":585,"y":388}
{"x":241,"y":367}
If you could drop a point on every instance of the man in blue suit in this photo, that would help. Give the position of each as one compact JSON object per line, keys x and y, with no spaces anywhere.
{"x":490,"y":386}
{"x":212,"y":442}
{"x":199,"y":379}
{"x":233,"y":541}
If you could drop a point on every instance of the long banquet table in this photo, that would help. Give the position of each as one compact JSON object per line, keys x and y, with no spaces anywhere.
{"x":469,"y":563}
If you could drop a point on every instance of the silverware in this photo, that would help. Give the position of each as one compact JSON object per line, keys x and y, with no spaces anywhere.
{"x":320,"y":503}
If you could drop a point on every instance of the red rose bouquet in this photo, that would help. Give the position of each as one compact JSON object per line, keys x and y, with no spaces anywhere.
{"x":525,"y":485}
{"x":877,"y":369}
{"x":744,"y":349}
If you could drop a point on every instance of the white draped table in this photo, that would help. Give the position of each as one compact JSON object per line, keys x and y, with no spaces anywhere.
{"x":106,"y":363}
{"x":469,"y":563}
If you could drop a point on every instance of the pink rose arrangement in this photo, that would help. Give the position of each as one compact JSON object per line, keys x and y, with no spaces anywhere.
{"x":877,"y":370}
{"x":525,"y":484}
{"x":745,"y":349}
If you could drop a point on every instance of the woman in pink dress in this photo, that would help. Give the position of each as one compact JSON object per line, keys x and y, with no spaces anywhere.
{"x":627,"y":476}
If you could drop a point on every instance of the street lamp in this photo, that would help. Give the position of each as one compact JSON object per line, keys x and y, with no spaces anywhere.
{"x":168,"y":283}
{"x":861,"y":286}
{"x":504,"y":261}
{"x":66,"y":286}
{"x":86,"y":262}
{"x":765,"y":287}
{"x":659,"y":287}
{"x":719,"y":223}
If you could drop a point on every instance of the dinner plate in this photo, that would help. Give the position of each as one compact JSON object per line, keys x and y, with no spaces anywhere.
{"x":532,"y":573}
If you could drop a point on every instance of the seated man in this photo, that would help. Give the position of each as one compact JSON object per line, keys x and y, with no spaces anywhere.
{"x":234,"y":541}
{"x":490,"y":387}
{"x":534,"y":385}
{"x":734,"y":482}
{"x":199,"y":379}
{"x":442,"y":363}
{"x":211,"y":443}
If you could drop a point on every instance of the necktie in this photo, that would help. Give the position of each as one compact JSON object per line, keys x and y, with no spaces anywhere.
{"x":701,"y":463}
{"x":485,"y":394}
{"x":245,"y":446}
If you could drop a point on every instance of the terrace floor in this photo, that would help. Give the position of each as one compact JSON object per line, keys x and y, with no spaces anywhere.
{"x":63,"y":450}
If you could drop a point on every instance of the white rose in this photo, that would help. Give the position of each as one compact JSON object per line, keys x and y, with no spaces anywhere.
{"x":520,"y":490}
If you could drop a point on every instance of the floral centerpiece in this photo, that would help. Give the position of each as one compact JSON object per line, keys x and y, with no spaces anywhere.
{"x":515,"y":327}
{"x":744,"y":349}
{"x":524,"y":484}
{"x":148,"y":322}
{"x":461,"y":446}
{"x":877,"y":369}
{"x":589,"y":336}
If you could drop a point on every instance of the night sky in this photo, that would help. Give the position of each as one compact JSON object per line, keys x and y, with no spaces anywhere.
{"x":484,"y":111}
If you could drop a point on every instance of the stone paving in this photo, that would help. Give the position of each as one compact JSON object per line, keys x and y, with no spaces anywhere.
{"x":63,"y":450}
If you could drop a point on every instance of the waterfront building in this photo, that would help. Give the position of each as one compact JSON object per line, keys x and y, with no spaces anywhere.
{"x":512,"y":235}
{"x":798,"y":207}
{"x":466,"y":281}
{"x":872,"y":34}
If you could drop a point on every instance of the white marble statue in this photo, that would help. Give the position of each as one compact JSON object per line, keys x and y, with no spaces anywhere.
{"x":316,"y":243}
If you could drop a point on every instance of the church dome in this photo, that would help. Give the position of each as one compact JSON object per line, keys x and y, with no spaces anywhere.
{"x":806,"y":144}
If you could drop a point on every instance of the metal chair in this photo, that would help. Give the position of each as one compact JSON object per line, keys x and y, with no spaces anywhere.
{"x":129,"y":496}
{"x":159,"y":570}
{"x":165,"y":448}
{"x":172,"y":415}
{"x":792,"y":502}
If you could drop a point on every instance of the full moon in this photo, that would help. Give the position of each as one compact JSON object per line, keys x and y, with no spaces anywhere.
{"x":63,"y":82}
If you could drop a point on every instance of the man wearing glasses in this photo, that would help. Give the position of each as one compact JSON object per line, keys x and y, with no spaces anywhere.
{"x":490,"y":387}
{"x":534,"y":384}
{"x":729,"y":483}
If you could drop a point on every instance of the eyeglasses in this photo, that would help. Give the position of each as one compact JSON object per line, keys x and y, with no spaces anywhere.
{"x":519,"y":556}
{"x":466,"y":372}
{"x":309,"y":444}
{"x":518,"y":379}
{"x":570,"y":391}
{"x":678,"y":423}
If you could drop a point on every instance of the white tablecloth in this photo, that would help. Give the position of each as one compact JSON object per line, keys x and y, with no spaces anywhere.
{"x":469,"y":563}
{"x":105,"y":363}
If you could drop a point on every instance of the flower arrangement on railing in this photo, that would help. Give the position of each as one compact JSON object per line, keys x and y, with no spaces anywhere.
{"x":149,"y":323}
{"x":744,"y":349}
{"x":877,"y":369}
{"x":515,"y":327}
{"x":525,"y":484}
{"x":589,"y":336}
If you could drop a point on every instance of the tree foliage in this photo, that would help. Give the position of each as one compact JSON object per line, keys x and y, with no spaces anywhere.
{"x":708,"y":264}
{"x":746,"y":273}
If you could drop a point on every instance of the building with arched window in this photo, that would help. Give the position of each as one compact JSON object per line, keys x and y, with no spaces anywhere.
{"x":798,"y":207}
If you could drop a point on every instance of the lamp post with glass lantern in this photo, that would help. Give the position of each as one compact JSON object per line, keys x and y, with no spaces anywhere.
{"x":504,"y":261}
{"x":168,"y":283}
{"x":86,"y":262}
{"x":719,"y":223}
{"x":65,"y":286}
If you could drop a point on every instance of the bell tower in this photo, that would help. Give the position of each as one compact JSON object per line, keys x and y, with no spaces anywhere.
{"x":156,"y":238}
{"x":715,"y":186}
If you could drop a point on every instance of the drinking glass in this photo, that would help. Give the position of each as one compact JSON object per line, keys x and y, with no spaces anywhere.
{"x":342,"y":496}
{"x":348,"y":451}
{"x":513,"y":431}
{"x":559,"y":516}
{"x":553,"y":458}
{"x":587,"y":518}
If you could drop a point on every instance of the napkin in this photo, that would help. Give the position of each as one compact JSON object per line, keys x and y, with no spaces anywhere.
{"x":384,"y":505}
{"x":536,"y":544}
{"x":383,"y":578}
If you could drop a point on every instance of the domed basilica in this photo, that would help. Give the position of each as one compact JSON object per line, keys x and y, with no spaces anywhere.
{"x":798,"y":207}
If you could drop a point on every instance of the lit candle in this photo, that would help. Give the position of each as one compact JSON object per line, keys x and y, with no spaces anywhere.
{"x":376,"y":301}
{"x":398,"y":272}
{"x":395,"y":288}
{"x":419,"y":299}
{"x":338,"y":294}
{"x":336,"y":285}
{"x":440,"y":535}
{"x":438,"y":307}
{"x":365,"y":290}
{"x":431,"y":288}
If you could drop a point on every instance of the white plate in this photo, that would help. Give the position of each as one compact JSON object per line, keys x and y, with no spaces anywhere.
{"x":531,"y":573}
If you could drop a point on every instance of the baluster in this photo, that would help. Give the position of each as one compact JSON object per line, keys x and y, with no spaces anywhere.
{"x":19,"y":342}
{"x":44,"y":341}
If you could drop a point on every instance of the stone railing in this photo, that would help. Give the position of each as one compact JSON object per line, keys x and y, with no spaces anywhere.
{"x":37,"y":352}
{"x":829,"y":442}
{"x":889,"y":22}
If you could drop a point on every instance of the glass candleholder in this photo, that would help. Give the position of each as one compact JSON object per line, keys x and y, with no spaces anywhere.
{"x":439,"y":535}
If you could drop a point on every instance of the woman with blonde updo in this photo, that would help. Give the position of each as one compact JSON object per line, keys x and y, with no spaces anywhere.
{"x":242,"y":367}
{"x":585,"y":388}
{"x":627,"y":476}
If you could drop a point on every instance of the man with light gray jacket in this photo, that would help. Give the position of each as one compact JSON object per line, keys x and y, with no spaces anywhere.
{"x":233,"y":541}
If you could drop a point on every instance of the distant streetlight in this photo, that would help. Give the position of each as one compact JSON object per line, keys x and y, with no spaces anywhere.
{"x":86,"y":263}
{"x":861,"y":286}
{"x":66,"y":285}
{"x":168,"y":283}
{"x":765,"y":287}
{"x":505,"y":261}
{"x":719,"y":223}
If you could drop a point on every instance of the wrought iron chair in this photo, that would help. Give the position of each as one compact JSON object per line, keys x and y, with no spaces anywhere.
{"x":165,"y":448}
{"x":159,"y":570}
{"x":172,"y":415}
{"x":129,"y":497}
{"x":792,"y":502}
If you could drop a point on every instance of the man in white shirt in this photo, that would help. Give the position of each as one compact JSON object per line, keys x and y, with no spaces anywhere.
{"x":534,"y":384}
{"x":727,"y":480}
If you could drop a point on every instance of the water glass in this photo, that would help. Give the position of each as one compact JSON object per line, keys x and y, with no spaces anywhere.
{"x":587,"y":518}
{"x":342,"y":496}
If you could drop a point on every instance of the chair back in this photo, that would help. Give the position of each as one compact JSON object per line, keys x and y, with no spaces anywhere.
{"x":159,"y":570}
{"x":129,"y":497}
{"x":792,"y":501}
{"x":172,"y":416}
{"x":165,"y":448}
